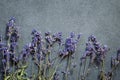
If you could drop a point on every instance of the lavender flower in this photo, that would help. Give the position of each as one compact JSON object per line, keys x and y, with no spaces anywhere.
{"x":89,"y":47}
{"x":47,"y":33}
{"x":33,"y":32}
{"x":92,"y":38}
{"x":10,"y":26}
{"x":113,"y":62}
{"x":25,"y":53}
{"x":63,"y":53}
{"x":49,"y":39}
{"x":11,"y":22}
{"x":58,"y":38}
{"x":13,"y":46}
{"x":72,"y":35}
{"x":70,"y":45}
{"x":14,"y":36}
{"x":79,"y":36}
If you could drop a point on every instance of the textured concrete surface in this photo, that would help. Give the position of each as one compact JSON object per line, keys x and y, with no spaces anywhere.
{"x":98,"y":17}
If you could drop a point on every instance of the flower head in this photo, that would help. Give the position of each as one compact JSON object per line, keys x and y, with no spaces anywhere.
{"x":92,"y":38}
{"x":11,"y":22}
{"x":33,"y":31}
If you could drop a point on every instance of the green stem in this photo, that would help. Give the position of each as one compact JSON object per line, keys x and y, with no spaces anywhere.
{"x":79,"y":70}
{"x":57,"y":65}
{"x":84,"y":68}
{"x":103,"y":65}
{"x":67,"y":68}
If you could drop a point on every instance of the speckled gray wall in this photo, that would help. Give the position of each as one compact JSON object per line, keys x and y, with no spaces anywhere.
{"x":98,"y":17}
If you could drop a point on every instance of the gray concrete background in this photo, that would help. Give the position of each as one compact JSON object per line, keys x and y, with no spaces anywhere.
{"x":98,"y":17}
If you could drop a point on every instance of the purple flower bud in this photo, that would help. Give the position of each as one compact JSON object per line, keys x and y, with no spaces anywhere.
{"x":14,"y":37}
{"x":68,"y":42}
{"x":97,"y":46}
{"x":105,"y":48}
{"x":72,"y":35}
{"x":63,"y":53}
{"x":49,"y":39}
{"x":60,"y":33}
{"x":70,"y":45}
{"x":24,"y":55}
{"x":37,"y":34}
{"x":13,"y":46}
{"x":79,"y":36}
{"x":58,"y":38}
{"x":26,"y":48}
{"x":11,"y":22}
{"x":92,"y":38}
{"x":12,"y":19}
{"x":47,"y":33}
{"x":33,"y":31}
{"x":6,"y":56}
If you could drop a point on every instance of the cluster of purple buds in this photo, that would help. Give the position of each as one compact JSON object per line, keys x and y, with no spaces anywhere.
{"x":10,"y":27}
{"x":32,"y":48}
{"x":63,"y":53}
{"x":36,"y":39}
{"x":25,"y":53}
{"x":115,"y":60}
{"x":13,"y":46}
{"x":36,"y":47}
{"x":92,"y":38}
{"x":13,"y":59}
{"x":89,"y":50}
{"x":11,"y":22}
{"x":49,"y":39}
{"x":70,"y":45}
{"x":95,"y":50}
{"x":58,"y":38}
{"x":9,"y":58}
{"x":97,"y":46}
{"x":12,"y":35}
{"x":6,"y":54}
